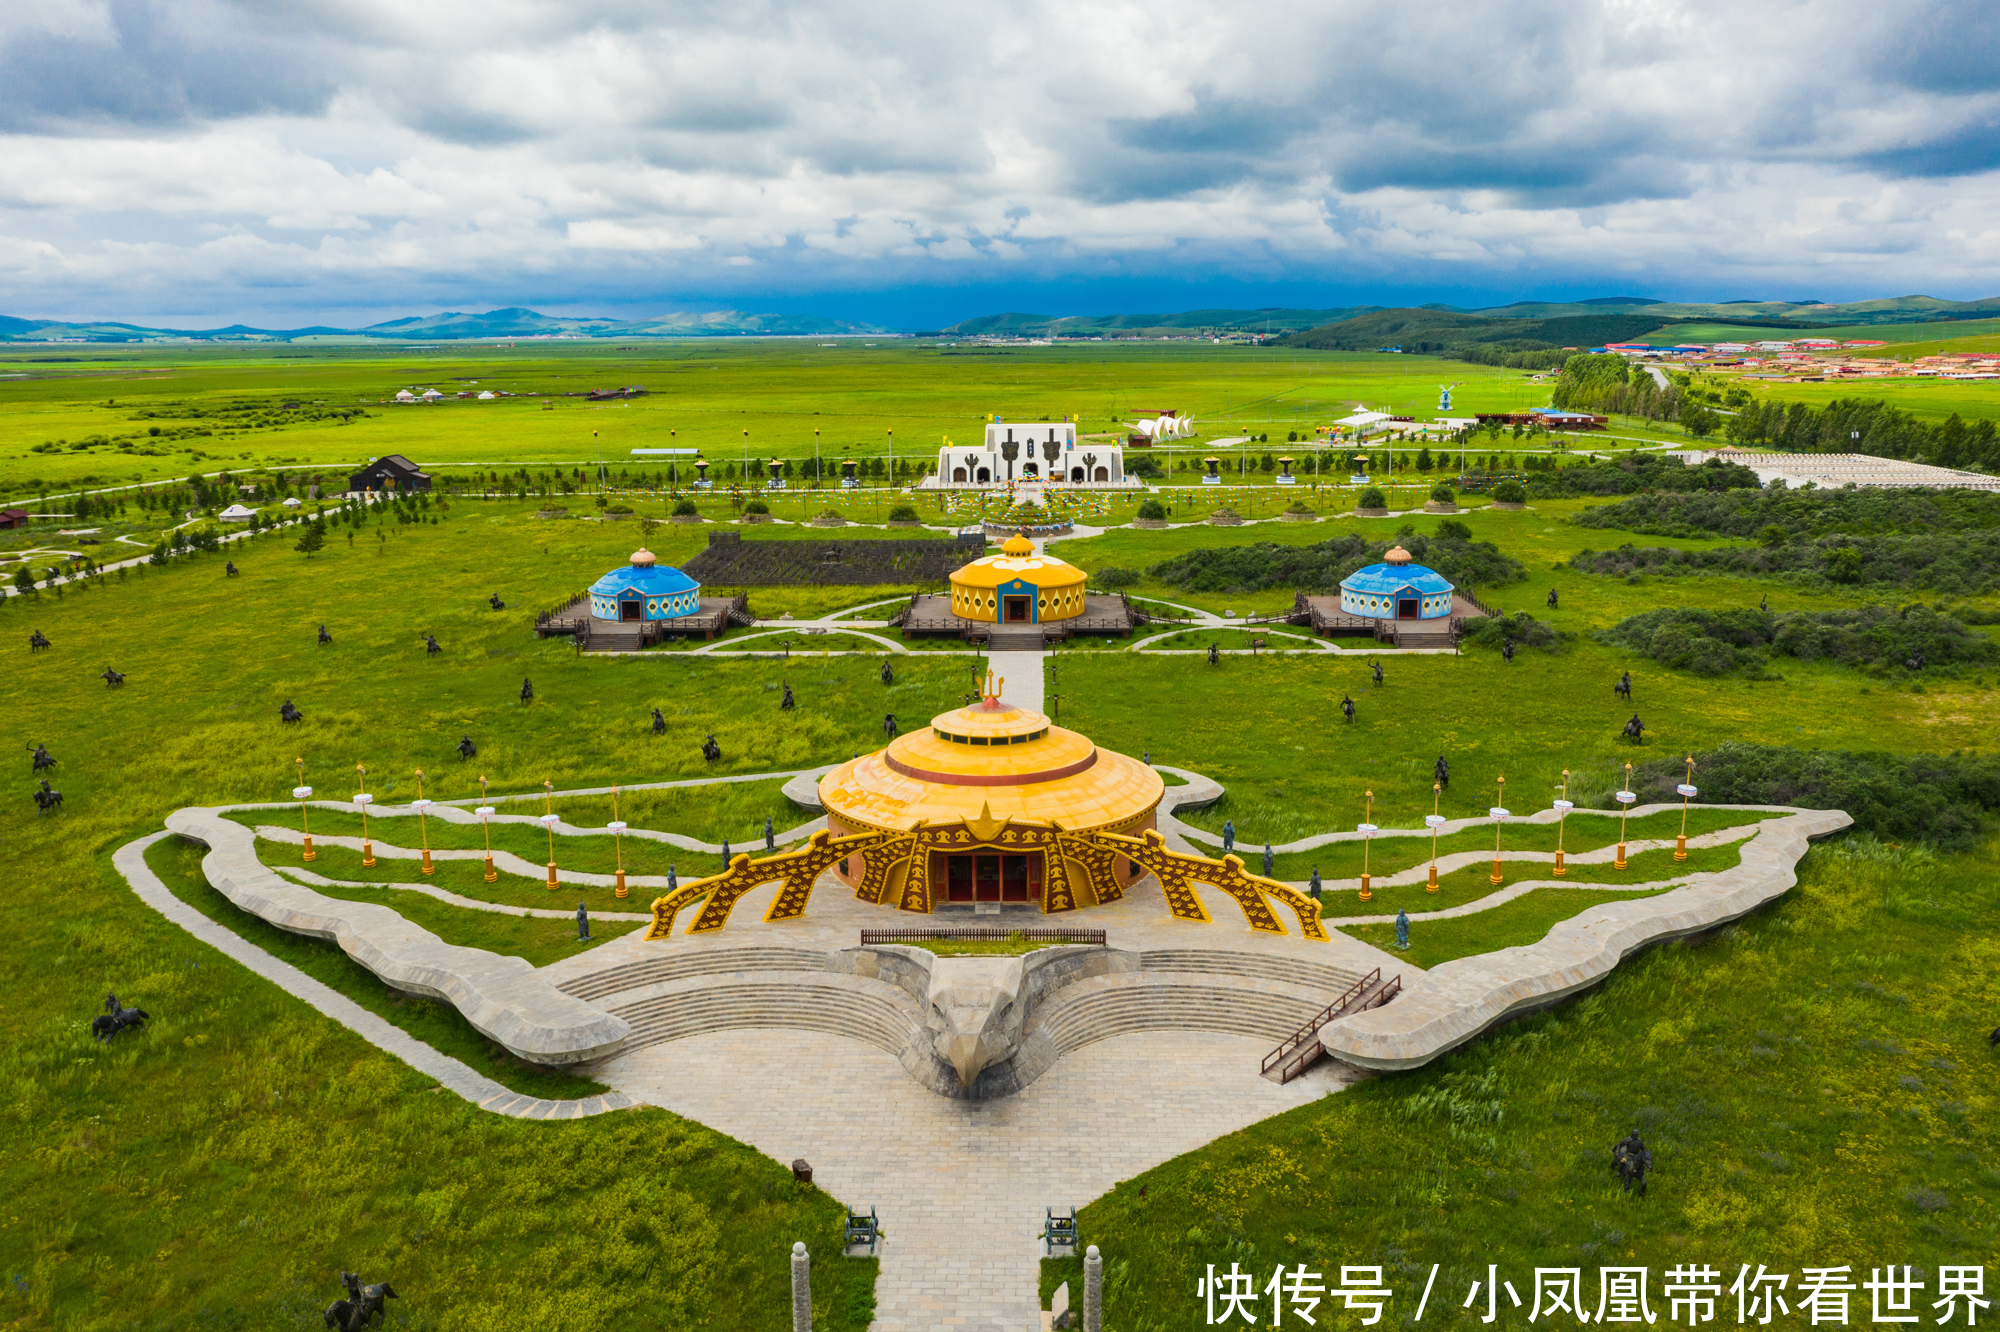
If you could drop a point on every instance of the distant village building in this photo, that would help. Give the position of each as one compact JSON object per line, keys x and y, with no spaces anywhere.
{"x":11,"y":518}
{"x":1032,"y":453}
{"x":390,"y":472}
{"x":431,"y":395}
{"x":404,"y":395}
{"x":237,"y":513}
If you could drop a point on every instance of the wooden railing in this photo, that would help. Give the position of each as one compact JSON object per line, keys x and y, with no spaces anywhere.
{"x":1297,"y":1052}
{"x":982,"y":934}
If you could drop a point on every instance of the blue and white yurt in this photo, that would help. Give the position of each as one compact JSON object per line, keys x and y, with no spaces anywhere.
{"x":1396,"y":589}
{"x":644,"y":589}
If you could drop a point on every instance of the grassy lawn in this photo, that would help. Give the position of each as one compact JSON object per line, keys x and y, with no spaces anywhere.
{"x":1813,"y":1083}
{"x":1525,"y":920}
{"x":436,"y":1024}
{"x":593,"y":855}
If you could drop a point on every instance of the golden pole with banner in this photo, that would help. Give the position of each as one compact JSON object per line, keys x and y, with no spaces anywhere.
{"x":361,"y":801}
{"x":1624,"y":799}
{"x":1367,"y":830}
{"x":1435,"y":821}
{"x":485,"y":813}
{"x":1499,"y":813}
{"x":617,"y":827}
{"x":549,"y":820}
{"x":1563,"y":806}
{"x":422,"y":806}
{"x":301,"y":793}
{"x":1687,"y":791}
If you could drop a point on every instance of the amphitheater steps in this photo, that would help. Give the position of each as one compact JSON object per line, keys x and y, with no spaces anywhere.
{"x":861,"y":1010}
{"x":1110,"y":1006}
{"x":677,"y":964}
{"x":1253,"y":966}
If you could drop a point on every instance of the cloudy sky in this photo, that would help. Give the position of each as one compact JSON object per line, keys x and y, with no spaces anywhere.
{"x":199,"y":161}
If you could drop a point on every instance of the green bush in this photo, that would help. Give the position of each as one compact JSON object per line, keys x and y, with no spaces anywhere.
{"x":1373,"y":498}
{"x":1489,"y":631}
{"x":756,"y":506}
{"x":1117,"y":577}
{"x":1153,"y":511}
{"x":1318,"y":569}
{"x":1450,"y":529}
{"x":1946,"y":800}
{"x":1872,"y":637}
{"x":903,"y":513}
{"x":1641,"y":472}
{"x":1811,"y":513}
{"x":1511,"y":492}
{"x":1956,"y":563}
{"x":1442,"y":494}
{"x":686,"y":509}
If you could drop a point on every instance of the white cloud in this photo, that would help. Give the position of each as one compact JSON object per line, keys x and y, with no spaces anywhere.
{"x":460,"y":148}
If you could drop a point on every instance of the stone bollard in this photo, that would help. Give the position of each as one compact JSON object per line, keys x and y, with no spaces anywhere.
{"x":1093,"y":1290}
{"x":802,"y":1290}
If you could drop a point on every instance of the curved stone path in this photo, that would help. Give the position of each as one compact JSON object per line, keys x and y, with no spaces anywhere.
{"x":458,"y":1077}
{"x":312,"y":880}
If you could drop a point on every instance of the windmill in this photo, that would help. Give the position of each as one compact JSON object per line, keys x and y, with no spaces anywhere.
{"x":1444,"y":396}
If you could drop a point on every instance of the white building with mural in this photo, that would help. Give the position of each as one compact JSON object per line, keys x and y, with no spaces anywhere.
{"x":1031,"y":453}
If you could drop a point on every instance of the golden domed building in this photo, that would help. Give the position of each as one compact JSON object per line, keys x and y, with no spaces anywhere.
{"x":985,"y":791}
{"x":989,"y":803}
{"x":1017,"y":586}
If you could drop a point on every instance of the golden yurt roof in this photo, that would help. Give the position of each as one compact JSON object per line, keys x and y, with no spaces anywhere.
{"x":1018,"y":559}
{"x":988,"y":762}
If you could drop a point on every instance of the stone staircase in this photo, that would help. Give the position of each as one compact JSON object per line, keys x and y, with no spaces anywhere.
{"x":1015,"y":638}
{"x":860,"y":1009}
{"x":675,"y":964}
{"x":1253,"y":966}
{"x":1107,"y":1006}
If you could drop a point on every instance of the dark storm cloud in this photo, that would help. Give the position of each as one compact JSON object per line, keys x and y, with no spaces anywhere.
{"x":156,"y":66}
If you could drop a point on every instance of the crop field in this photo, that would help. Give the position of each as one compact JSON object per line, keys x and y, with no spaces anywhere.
{"x":244,"y":1145}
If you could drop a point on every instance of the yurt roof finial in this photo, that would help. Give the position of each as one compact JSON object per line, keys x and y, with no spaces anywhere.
{"x":643,"y":557}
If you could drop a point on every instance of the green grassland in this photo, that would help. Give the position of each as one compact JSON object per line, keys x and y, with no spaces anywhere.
{"x":1933,"y":399}
{"x":1813,"y":1082}
{"x":243,"y":1149}
{"x":1526,"y":919}
{"x":434,"y":1022}
{"x":1898,"y":335}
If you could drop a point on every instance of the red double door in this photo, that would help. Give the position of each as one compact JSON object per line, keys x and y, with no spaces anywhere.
{"x":993,"y":876}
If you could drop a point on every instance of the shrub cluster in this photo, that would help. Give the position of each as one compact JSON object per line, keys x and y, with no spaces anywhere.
{"x":1946,"y":800}
{"x":1873,"y":638}
{"x":1490,"y":631}
{"x":1959,"y":564}
{"x":1638,"y":472}
{"x":1115,"y":577}
{"x":1794,"y":513}
{"x":1319,"y":568}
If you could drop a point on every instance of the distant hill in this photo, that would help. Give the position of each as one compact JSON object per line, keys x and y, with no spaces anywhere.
{"x":1419,"y":330}
{"x":449,"y":326}
{"x":1275,"y":320}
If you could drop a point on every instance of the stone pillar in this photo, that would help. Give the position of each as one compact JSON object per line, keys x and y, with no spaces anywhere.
{"x":1093,"y":1290}
{"x":802,"y":1293}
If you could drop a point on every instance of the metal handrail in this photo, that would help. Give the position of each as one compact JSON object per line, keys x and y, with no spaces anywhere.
{"x":1292,"y":1042}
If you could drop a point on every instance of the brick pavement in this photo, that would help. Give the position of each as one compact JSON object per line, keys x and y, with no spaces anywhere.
{"x":961,"y":1186}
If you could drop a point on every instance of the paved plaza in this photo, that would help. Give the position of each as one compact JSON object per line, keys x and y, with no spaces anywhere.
{"x":962,"y":1186}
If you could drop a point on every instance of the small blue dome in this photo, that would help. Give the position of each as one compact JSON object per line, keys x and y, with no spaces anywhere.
{"x":1396,"y":590}
{"x":654,"y":591}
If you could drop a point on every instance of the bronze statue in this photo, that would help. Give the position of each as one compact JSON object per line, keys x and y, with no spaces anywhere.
{"x":710,"y":750}
{"x":1347,"y":707}
{"x":361,"y":1308}
{"x":289,"y":714}
{"x":466,"y":749}
{"x":888,"y":676}
{"x":1632,"y":1160}
{"x":1635,"y":730}
{"x":37,"y":641}
{"x":47,"y":798}
{"x":116,"y":1018}
{"x":112,"y":679}
{"x":527,"y":691}
{"x":1552,"y":598}
{"x":324,"y":636}
{"x":495,"y":602}
{"x":43,"y":759}
{"x":889,"y":725}
{"x":659,"y":723}
{"x":1441,"y":772}
{"x":1378,"y":673}
{"x":229,"y":569}
{"x":1623,"y":689}
{"x":431,"y":648}
{"x":785,"y":704}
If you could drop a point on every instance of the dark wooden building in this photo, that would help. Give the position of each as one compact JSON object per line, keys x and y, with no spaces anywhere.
{"x":390,"y":472}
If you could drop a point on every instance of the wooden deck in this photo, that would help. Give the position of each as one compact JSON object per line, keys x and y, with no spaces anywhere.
{"x":716,"y":615}
{"x":1327,"y":619}
{"x":931,"y":614}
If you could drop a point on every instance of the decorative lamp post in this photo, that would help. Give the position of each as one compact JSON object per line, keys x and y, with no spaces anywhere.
{"x":1624,"y":799}
{"x":422,"y":806}
{"x":1434,"y":821}
{"x":1500,"y":816}
{"x":361,"y":802}
{"x":549,"y":821}
{"x":485,"y":813}
{"x":617,"y":827}
{"x":1563,"y":806}
{"x":1367,"y":830}
{"x":302,"y":793}
{"x":1688,"y":793}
